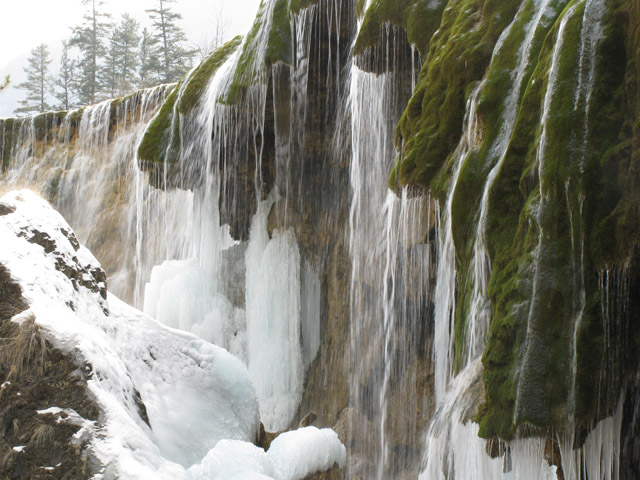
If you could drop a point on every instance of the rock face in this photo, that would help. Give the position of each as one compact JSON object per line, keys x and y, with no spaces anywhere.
{"x":37,"y":377}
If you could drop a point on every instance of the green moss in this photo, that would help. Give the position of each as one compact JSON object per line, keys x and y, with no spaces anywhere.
{"x":618,"y":203}
{"x":76,"y":115}
{"x":295,"y":6}
{"x":280,"y":48}
{"x":527,"y":371}
{"x":154,"y":144}
{"x":199,"y":79}
{"x":420,"y":18}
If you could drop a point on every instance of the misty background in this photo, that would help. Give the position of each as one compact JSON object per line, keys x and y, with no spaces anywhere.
{"x":28,"y":23}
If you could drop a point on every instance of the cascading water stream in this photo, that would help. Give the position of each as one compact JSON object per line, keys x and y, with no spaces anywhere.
{"x":445,"y":292}
{"x":591,"y":34}
{"x":540,"y":160}
{"x":440,"y":455}
{"x":480,"y":310}
{"x":390,"y":274}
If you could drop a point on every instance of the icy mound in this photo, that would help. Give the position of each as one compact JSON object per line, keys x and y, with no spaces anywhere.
{"x":293,"y":455}
{"x":172,"y":405}
{"x":303,"y":452}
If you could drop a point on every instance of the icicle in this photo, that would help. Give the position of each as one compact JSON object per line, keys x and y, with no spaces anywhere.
{"x":273,"y":321}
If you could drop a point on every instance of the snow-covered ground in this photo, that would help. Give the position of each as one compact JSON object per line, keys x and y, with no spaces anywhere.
{"x":201,"y":405}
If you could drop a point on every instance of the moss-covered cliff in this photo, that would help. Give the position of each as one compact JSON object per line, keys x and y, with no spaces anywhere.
{"x":562,"y":206}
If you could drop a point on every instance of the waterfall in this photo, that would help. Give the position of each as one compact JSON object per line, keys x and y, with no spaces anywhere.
{"x":452,"y":447}
{"x":189,"y":291}
{"x":252,"y":292}
{"x":390,"y":262}
{"x":84,"y":162}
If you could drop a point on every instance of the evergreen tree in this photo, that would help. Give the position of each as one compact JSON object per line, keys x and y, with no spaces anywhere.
{"x":37,"y":83}
{"x":122,"y":58}
{"x":90,"y":40}
{"x":175,"y":58}
{"x":128,"y":61}
{"x":64,"y":82}
{"x":149,"y":60}
{"x":110,"y":70}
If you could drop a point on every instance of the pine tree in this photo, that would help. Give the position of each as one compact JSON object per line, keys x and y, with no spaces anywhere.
{"x":149,"y":60}
{"x":90,"y":40}
{"x":175,"y":58}
{"x":64,"y":82}
{"x":122,"y":58}
{"x":37,"y":83}
{"x":128,"y":61}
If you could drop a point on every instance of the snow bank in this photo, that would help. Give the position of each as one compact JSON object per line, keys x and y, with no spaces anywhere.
{"x":195,"y":393}
{"x":173,"y":406}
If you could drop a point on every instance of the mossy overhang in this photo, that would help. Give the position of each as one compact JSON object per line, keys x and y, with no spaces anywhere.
{"x":420,"y":19}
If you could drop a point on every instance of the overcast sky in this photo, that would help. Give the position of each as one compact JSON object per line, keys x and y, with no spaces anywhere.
{"x":24,"y":24}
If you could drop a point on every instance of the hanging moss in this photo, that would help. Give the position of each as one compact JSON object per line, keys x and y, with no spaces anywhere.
{"x":155,"y":141}
{"x":617,"y":231}
{"x":459,"y":54}
{"x":252,"y":61}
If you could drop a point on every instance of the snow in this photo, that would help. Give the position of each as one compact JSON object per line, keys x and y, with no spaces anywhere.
{"x":235,"y":460}
{"x":200,"y":402}
{"x":303,"y":452}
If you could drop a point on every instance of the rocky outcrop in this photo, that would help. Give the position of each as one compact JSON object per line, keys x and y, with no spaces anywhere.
{"x":42,"y":398}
